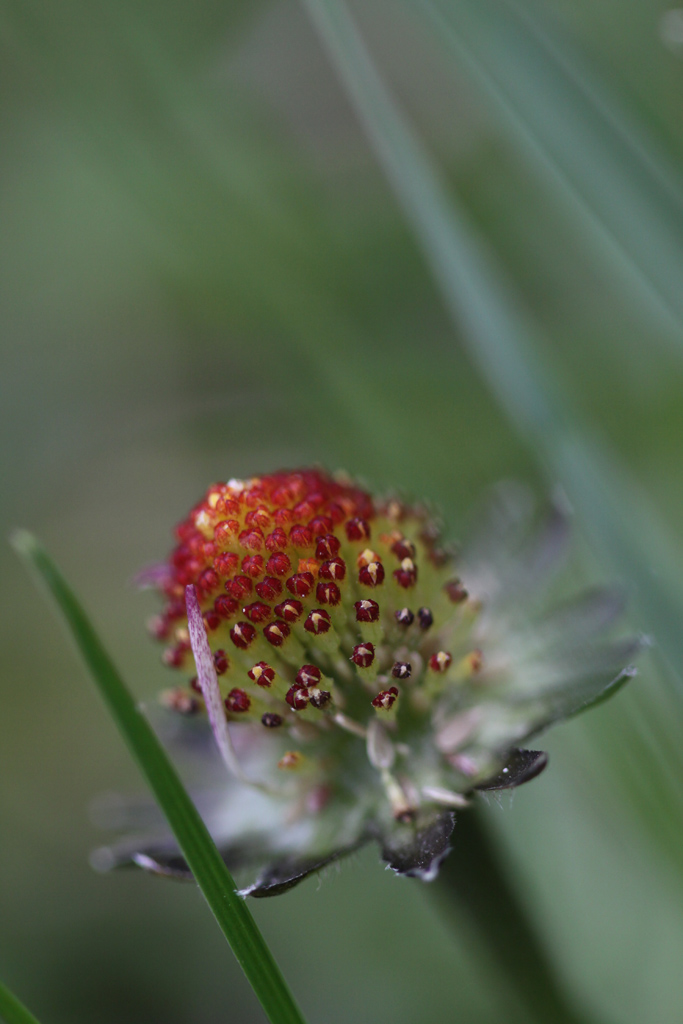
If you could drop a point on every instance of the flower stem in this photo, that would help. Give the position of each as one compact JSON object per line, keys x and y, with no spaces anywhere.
{"x":12,"y":1011}
{"x":199,"y":849}
{"x":475,"y":877}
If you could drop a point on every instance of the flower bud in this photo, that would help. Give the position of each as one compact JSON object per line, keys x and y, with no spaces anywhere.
{"x":304,"y":600}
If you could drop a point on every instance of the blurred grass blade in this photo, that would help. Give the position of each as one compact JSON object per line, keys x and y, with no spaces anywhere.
{"x":618,"y":187}
{"x":12,"y":1011}
{"x":199,"y":850}
{"x":619,"y":520}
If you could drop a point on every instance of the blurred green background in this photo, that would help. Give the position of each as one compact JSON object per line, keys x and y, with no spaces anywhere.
{"x":204,"y":274}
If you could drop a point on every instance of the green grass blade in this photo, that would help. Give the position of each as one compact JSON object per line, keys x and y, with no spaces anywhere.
{"x":12,"y":1011}
{"x":199,"y":850}
{"x":499,"y":339}
{"x":618,"y":188}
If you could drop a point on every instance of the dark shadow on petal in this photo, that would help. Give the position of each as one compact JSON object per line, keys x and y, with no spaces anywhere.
{"x":522,"y":766}
{"x":157,"y":856}
{"x":285,"y":874}
{"x":479,"y":879}
{"x":417,"y":849}
{"x":172,"y":866}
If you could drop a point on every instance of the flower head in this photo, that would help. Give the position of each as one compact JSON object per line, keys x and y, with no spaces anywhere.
{"x":360,"y":681}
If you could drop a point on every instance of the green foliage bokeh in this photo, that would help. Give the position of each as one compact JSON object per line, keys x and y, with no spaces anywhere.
{"x":204,"y":274}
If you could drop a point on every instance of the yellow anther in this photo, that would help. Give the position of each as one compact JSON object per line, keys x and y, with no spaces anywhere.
{"x":291,"y":761}
{"x":366,"y":557}
{"x":204,"y":523}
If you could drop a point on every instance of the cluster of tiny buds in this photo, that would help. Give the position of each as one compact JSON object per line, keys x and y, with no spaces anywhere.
{"x":309,"y":590}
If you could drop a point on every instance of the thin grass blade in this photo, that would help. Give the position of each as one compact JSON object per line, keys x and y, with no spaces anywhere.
{"x":206,"y":863}
{"x":12,"y":1011}
{"x":500,"y":340}
{"x":616,"y":184}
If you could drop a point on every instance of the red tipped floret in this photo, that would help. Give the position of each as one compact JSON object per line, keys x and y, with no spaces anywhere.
{"x":226,"y":506}
{"x":226,"y":563}
{"x":271,"y":720}
{"x":242,"y":635}
{"x":262,"y":674}
{"x":310,"y":565}
{"x":333,"y":569}
{"x":401,"y":670}
{"x":425,"y":618}
{"x":212,"y":619}
{"x":225,"y":531}
{"x":239,"y":587}
{"x":300,"y":536}
{"x":363,"y":655}
{"x":276,"y":633}
{"x":403,"y":548}
{"x":225,"y":606}
{"x":366,"y":610}
{"x":327,"y":547}
{"x":385,"y":699}
{"x":174,"y":657}
{"x":208,"y":581}
{"x":269,"y":588}
{"x":251,"y":539}
{"x":320,"y":698}
{"x":258,"y":518}
{"x":456,"y":592}
{"x":220,"y":660}
{"x":289,"y":610}
{"x":255,"y":495}
{"x":278,"y":564}
{"x":318,"y":622}
{"x":297,"y":697}
{"x":258,"y":612}
{"x":276,"y":540}
{"x":336,"y":513}
{"x":440,"y":661}
{"x":328,"y":593}
{"x":305,"y":509}
{"x":308,"y":675}
{"x":238,"y":701}
{"x":252,"y":565}
{"x":358,"y":529}
{"x":320,"y":525}
{"x":301,"y":584}
{"x":371,"y":575}
{"x":406,"y":576}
